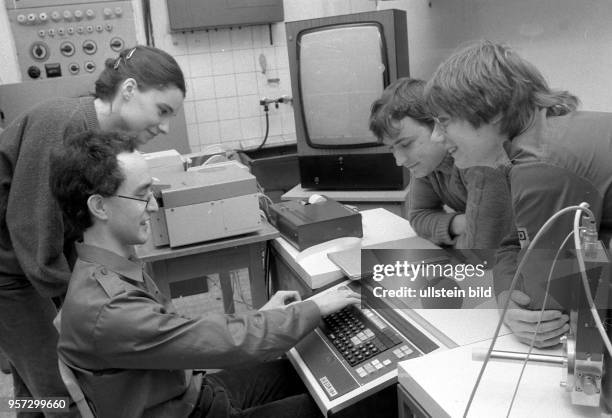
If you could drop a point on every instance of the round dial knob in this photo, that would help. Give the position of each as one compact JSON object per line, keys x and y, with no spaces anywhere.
{"x":39,"y":51}
{"x":56,"y":16}
{"x":90,"y":13}
{"x":78,"y":14}
{"x":89,"y":47}
{"x":22,"y":19}
{"x":43,"y":17}
{"x":67,"y":49}
{"x":34,"y":71}
{"x":67,"y":15}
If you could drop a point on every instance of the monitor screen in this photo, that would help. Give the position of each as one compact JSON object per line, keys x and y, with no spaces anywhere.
{"x":342,"y":70}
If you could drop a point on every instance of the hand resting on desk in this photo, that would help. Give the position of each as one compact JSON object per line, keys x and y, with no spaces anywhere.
{"x":523,"y":322}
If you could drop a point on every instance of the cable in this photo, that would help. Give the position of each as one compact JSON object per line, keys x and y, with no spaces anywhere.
{"x":585,"y":281}
{"x":541,"y":232}
{"x":266,"y":110}
{"x":539,"y":323}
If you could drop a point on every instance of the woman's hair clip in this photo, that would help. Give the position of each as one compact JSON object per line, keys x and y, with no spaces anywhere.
{"x":127,"y":57}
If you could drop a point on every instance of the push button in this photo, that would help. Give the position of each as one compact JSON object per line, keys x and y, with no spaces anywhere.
{"x":53,"y":70}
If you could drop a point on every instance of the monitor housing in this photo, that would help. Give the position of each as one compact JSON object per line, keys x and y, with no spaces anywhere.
{"x":339,"y":65}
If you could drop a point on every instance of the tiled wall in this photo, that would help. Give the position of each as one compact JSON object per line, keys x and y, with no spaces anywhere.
{"x":225,"y":80}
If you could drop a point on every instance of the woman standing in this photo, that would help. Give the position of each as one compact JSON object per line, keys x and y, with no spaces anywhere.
{"x":137,"y":93}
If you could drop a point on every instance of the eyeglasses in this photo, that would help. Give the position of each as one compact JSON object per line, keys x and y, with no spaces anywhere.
{"x":125,"y":58}
{"x":147,"y":200}
{"x":442,"y":122}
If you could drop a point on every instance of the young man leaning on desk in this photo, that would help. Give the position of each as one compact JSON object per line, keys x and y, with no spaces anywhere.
{"x":482,"y":213}
{"x":132,"y":353}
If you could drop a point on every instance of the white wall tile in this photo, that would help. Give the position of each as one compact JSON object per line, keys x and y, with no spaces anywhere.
{"x":183,"y":62}
{"x":174,"y":44}
{"x":275,"y":124}
{"x":252,"y":128}
{"x":282,"y":57}
{"x":203,"y":88}
{"x":270,"y":56}
{"x":200,"y":65}
{"x":244,"y":61}
{"x":189,"y":95}
{"x":246,"y":84}
{"x":284,"y":87}
{"x":198,"y":42}
{"x":190,"y":113}
{"x":206,"y":111}
{"x":220,"y":40}
{"x":209,"y":133}
{"x":225,"y":85}
{"x":288,"y":123}
{"x":229,"y":130}
{"x":193,"y":136}
{"x":242,"y":38}
{"x":249,"y":106}
{"x":222,"y":63}
{"x":228,"y":108}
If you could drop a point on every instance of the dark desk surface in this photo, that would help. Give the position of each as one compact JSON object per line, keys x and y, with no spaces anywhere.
{"x":147,"y":252}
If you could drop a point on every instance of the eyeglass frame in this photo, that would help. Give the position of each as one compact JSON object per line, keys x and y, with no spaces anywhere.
{"x":147,"y":201}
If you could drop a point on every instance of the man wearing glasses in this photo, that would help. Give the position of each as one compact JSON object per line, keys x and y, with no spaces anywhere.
{"x":133,"y":354}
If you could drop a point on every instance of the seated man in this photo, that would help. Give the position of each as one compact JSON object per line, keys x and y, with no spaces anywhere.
{"x":482,"y":211}
{"x":132,"y":353}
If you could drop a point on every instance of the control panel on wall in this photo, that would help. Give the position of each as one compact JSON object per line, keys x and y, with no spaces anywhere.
{"x":63,"y":38}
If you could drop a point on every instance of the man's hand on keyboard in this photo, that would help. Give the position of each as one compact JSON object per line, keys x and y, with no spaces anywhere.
{"x":334,"y":300}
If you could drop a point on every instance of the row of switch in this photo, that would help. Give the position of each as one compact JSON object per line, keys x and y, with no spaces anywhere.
{"x":67,"y":15}
{"x":78,"y":30}
{"x":375,"y":364}
{"x":40,"y":50}
{"x":371,"y":367}
{"x":55,"y":70}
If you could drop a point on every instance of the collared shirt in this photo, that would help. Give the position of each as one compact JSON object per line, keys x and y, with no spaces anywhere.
{"x":136,"y":353}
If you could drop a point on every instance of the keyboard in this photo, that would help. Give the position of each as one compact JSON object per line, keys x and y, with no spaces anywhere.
{"x":358,"y":334}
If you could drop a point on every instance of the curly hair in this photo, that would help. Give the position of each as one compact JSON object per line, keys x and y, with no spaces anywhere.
{"x":150,"y":67}
{"x":85,"y":165}
{"x":402,"y":98}
{"x":486,"y":80}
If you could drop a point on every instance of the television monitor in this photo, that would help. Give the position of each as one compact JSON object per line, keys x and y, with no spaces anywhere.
{"x":339,"y":65}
